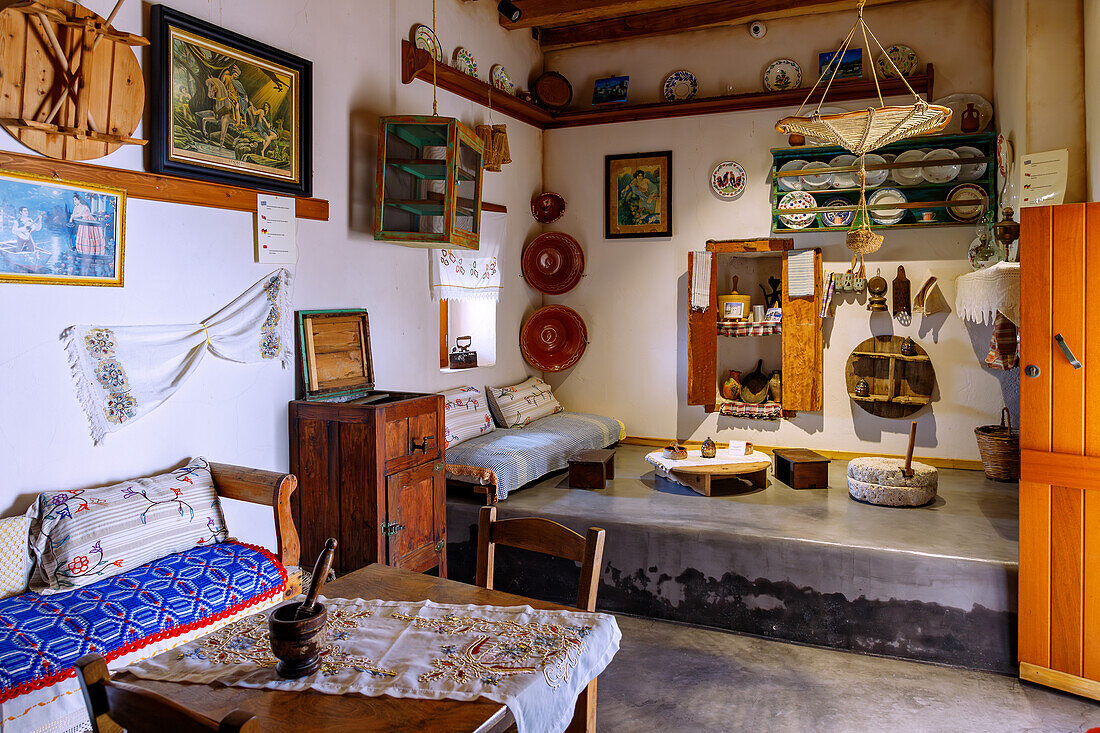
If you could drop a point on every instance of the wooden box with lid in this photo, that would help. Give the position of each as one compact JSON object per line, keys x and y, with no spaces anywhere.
{"x":369,"y":462}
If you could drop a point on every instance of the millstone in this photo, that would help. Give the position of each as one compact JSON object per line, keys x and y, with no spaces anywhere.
{"x":880,"y":481}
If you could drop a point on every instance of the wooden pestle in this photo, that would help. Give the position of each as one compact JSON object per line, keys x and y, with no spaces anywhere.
{"x":907,"y":470}
{"x":320,"y":573}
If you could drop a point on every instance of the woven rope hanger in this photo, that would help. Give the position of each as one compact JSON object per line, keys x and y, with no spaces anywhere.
{"x":865,"y":130}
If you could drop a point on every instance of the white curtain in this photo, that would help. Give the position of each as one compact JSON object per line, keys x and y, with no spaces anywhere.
{"x":460,"y":274}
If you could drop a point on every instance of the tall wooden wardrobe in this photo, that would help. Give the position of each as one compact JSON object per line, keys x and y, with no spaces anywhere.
{"x":1059,"y":601}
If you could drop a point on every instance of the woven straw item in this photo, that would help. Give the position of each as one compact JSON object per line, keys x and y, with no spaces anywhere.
{"x":863,"y":241}
{"x":866,"y":130}
{"x":999,"y":446}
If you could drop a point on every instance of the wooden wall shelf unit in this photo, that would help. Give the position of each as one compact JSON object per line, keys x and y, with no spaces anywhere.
{"x":800,"y":332}
{"x":417,"y":64}
{"x":155,"y":186}
{"x":899,"y":384}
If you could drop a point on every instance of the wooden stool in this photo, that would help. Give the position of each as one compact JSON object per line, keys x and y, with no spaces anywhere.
{"x":800,"y":468}
{"x":591,"y":469}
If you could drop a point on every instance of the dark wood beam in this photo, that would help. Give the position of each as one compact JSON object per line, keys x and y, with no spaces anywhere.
{"x":693,"y":17}
{"x":551,"y":13}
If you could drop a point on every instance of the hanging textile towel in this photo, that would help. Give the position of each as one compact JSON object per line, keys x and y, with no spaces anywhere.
{"x":122,"y":373}
{"x":800,"y":274}
{"x":457,"y":274}
{"x":700,"y":280}
{"x":1004,"y":346}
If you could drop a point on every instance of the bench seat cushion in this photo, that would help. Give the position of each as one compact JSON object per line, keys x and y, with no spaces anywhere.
{"x":41,"y":637}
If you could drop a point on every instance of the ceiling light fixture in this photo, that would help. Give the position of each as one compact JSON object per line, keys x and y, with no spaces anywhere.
{"x":509,"y":10}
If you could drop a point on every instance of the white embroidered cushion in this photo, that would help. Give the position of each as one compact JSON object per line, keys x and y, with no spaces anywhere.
{"x":466,"y":414}
{"x":81,"y":536}
{"x":521,"y":404}
{"x":15,"y":560}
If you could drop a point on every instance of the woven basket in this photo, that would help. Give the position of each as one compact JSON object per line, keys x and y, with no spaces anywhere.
{"x":999,"y":446}
{"x":863,"y":241}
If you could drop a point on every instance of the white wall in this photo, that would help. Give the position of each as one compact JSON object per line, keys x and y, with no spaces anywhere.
{"x":635,"y":296}
{"x":183,"y":263}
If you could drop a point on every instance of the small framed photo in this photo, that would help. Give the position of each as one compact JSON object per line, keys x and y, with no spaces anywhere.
{"x":610,"y":90}
{"x":57,"y":232}
{"x":849,"y":66}
{"x":774,"y":315}
{"x":733,"y":311}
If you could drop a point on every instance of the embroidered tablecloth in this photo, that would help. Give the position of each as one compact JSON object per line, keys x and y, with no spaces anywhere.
{"x":695,"y":459}
{"x":535,"y":662}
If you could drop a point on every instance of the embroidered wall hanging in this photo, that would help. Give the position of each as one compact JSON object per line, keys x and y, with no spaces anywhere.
{"x":122,"y":373}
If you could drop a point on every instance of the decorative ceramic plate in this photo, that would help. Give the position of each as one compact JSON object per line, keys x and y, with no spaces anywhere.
{"x":844,"y":180}
{"x":424,"y":39}
{"x":971,"y":171}
{"x":553,"y":263}
{"x":553,"y":338}
{"x":728,"y":180}
{"x":908,"y":176}
{"x":946,"y":171}
{"x":887,"y":196}
{"x":547,"y":207}
{"x":837,"y":218}
{"x":967,"y":202}
{"x":798,"y":200}
{"x":794,"y":183}
{"x":782,"y":74}
{"x":501,"y":80}
{"x":878,"y":177}
{"x":959,"y":105}
{"x":817,"y":181}
{"x":904,"y":58}
{"x":465,"y":62}
{"x":680,"y":86}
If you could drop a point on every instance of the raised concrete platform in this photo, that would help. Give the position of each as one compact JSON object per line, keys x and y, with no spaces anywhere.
{"x":936,"y":583}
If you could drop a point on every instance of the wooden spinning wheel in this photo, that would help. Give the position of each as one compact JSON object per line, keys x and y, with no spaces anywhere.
{"x":70,"y":85}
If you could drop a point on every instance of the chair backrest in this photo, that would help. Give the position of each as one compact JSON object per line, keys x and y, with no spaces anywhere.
{"x":547,"y":537}
{"x":113,"y":705}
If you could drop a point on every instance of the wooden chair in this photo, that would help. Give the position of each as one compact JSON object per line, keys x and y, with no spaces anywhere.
{"x":549,"y":538}
{"x":113,"y":706}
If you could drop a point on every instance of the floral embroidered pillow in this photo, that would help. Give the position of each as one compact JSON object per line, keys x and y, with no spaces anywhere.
{"x":466,"y":414}
{"x":521,"y":404}
{"x":81,"y":536}
{"x":15,"y":561}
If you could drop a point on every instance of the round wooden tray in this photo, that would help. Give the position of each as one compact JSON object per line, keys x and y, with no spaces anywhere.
{"x":699,"y":477}
{"x":900,"y":384}
{"x":553,"y":91}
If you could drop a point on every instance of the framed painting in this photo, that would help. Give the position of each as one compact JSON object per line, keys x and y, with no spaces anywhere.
{"x":58,"y":232}
{"x":638,"y":190}
{"x":229,"y":109}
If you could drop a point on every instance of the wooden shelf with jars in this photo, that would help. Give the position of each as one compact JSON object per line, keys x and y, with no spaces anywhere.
{"x":904,"y":190}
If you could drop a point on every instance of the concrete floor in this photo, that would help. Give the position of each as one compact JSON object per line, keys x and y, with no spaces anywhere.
{"x":672,"y":677}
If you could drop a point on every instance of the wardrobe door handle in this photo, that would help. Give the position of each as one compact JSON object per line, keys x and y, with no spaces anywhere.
{"x":1065,"y":350}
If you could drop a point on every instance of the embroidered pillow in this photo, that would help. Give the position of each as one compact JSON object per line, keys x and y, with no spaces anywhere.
{"x":15,"y":561}
{"x":81,"y":536}
{"x":466,"y":414}
{"x":521,"y":404}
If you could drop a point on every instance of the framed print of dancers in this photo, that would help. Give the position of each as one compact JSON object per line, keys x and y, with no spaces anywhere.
{"x":57,"y":232}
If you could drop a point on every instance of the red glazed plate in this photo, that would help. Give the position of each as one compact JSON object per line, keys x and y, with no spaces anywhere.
{"x":547,"y":207}
{"x":553,"y":338}
{"x":553,"y":263}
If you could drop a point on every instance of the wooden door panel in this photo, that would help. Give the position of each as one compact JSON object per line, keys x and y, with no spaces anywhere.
{"x":1035,"y":332}
{"x":1068,"y":319}
{"x":802,"y":354}
{"x":412,"y":436}
{"x":397,"y":437}
{"x":1090,"y":653}
{"x":318,"y":489}
{"x":359,"y":520}
{"x":1065,"y":579}
{"x":1034,"y":574}
{"x":702,"y":387}
{"x":413,"y":499}
{"x":1091,"y":345}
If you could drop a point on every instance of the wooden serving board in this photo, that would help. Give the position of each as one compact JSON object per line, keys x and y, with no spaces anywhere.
{"x":33,"y":80}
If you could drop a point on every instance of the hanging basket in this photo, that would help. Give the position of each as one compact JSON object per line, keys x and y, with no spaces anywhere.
{"x":999,"y":446}
{"x":863,"y":241}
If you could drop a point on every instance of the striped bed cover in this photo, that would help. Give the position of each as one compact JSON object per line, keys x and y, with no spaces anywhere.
{"x":518,"y":456}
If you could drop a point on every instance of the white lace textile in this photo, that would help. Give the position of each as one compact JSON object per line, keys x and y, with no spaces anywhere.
{"x":458,"y":274}
{"x":122,"y":373}
{"x":981,"y":294}
{"x":535,"y":662}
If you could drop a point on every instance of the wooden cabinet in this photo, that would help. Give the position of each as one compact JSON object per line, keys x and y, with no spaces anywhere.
{"x":371,"y":475}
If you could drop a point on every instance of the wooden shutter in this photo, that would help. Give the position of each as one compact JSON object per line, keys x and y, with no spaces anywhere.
{"x":802,"y":360}
{"x":703,"y":342}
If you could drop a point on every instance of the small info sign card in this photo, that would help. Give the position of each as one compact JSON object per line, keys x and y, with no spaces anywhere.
{"x":276,"y":229}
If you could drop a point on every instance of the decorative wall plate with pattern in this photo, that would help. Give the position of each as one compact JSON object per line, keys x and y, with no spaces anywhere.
{"x":547,"y":207}
{"x":971,"y":171}
{"x":424,"y":39}
{"x":728,"y":180}
{"x":782,"y":74}
{"x":967,"y":202}
{"x":816,"y":181}
{"x":903,"y":57}
{"x":553,"y":263}
{"x":465,"y":62}
{"x":553,"y":339}
{"x":793,"y":183}
{"x":680,"y":86}
{"x":844,"y":180}
{"x":797,"y":200}
{"x":837,"y":218}
{"x":878,"y":177}
{"x":500,"y":79}
{"x":958,"y":104}
{"x":887,"y":196}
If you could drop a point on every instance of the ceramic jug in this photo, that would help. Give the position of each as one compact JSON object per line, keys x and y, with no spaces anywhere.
{"x":731,"y":387}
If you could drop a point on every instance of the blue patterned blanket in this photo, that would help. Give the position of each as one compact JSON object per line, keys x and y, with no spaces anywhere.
{"x":520,"y":455}
{"x":41,"y":637}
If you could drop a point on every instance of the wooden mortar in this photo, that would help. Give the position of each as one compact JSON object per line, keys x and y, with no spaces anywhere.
{"x":296,"y":642}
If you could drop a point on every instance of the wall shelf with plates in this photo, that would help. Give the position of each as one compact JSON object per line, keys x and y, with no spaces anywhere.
{"x":928,"y":181}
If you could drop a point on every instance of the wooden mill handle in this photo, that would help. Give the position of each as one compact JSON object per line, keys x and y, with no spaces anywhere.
{"x":912,"y":444}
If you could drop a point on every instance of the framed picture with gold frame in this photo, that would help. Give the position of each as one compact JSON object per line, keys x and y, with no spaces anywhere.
{"x":228,"y":109}
{"x":58,"y":232}
{"x":638,"y":195}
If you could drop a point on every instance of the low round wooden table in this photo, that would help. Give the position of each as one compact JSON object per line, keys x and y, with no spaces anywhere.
{"x":697,"y":472}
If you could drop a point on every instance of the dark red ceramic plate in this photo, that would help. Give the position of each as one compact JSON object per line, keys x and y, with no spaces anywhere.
{"x":547,"y":207}
{"x":553,"y":338}
{"x":553,"y":263}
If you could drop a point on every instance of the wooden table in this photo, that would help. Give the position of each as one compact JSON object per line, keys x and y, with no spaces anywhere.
{"x":699,"y":478}
{"x":298,"y":712}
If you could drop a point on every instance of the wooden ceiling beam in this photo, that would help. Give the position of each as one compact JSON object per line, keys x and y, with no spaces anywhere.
{"x":552,"y":13}
{"x":693,"y":17}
